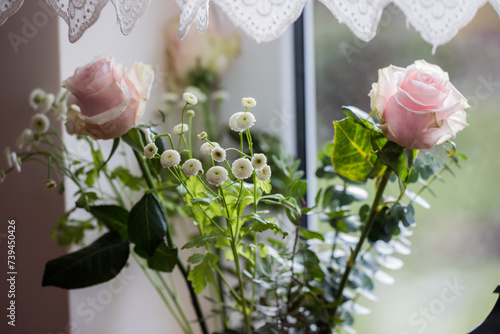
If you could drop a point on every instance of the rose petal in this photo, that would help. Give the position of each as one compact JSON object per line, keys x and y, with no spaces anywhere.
{"x":103,"y":100}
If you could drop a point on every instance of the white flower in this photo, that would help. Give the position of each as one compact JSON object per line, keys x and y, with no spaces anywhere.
{"x":40,"y":123}
{"x":15,"y":161}
{"x":147,"y":135}
{"x":232,"y":122}
{"x":150,"y":150}
{"x":202,"y":136}
{"x":46,"y":103}
{"x":190,"y":98}
{"x":36,"y":96}
{"x":207,"y":147}
{"x":170,"y":97}
{"x":192,"y":167}
{"x":181,"y":128}
{"x":197,"y":92}
{"x":259,"y":160}
{"x":170,"y":158}
{"x":8,"y":156}
{"x":218,"y":154}
{"x":220,"y":95}
{"x":245,"y":120}
{"x":264,"y":173}
{"x":25,"y":140}
{"x":190,"y":113}
{"x":217,"y":175}
{"x":242,"y":168}
{"x":248,"y":102}
{"x":61,"y":111}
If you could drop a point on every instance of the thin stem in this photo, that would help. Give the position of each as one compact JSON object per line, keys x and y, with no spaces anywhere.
{"x":180,"y":264}
{"x":368,"y":226}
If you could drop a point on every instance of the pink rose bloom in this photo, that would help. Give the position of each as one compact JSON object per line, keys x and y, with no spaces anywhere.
{"x":110,"y":98}
{"x":418,"y":106}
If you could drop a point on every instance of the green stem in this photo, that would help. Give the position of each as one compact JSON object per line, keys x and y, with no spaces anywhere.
{"x":180,"y":264}
{"x":368,"y":226}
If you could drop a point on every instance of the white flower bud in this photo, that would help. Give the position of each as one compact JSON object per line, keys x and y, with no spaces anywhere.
{"x":242,"y":168}
{"x":36,"y":97}
{"x":232,"y":122}
{"x":190,"y":113}
{"x":181,"y":128}
{"x":218,"y":154}
{"x":147,"y":135}
{"x":46,"y":103}
{"x":264,"y":173}
{"x":217,"y":175}
{"x":207,"y":147}
{"x":259,"y":160}
{"x":170,"y":158}
{"x":40,"y":123}
{"x":15,"y":161}
{"x":248,"y":102}
{"x":192,"y":167}
{"x":202,"y":136}
{"x":25,"y":140}
{"x":150,"y":150}
{"x":245,"y":121}
{"x":190,"y":98}
{"x":8,"y":156}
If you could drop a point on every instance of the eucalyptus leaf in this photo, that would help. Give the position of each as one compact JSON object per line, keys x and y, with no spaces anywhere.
{"x":147,"y":224}
{"x":94,"y":264}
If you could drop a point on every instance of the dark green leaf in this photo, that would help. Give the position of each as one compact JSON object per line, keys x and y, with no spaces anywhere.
{"x":393,"y":156}
{"x":164,"y":259}
{"x":353,"y":116}
{"x":134,"y":140}
{"x":308,"y":234}
{"x":352,"y":154}
{"x":147,"y":224}
{"x":113,"y":217}
{"x":94,"y":264}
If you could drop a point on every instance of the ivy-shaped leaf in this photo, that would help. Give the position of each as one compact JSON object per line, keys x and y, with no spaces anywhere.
{"x":94,"y":264}
{"x":147,"y":224}
{"x":352,"y":154}
{"x":202,"y":273}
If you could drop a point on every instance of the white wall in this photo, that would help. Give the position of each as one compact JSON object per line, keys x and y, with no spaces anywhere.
{"x":264,"y":71}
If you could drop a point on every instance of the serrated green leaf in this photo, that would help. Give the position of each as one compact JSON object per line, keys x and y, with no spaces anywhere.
{"x":265,"y":186}
{"x":352,"y":154}
{"x":147,"y":224}
{"x":94,"y":264}
{"x":113,"y":217}
{"x":203,"y":273}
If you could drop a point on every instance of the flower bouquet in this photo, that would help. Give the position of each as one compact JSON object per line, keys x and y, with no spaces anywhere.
{"x":263,"y":270}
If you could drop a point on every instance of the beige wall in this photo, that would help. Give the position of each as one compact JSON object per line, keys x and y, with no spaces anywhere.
{"x":23,"y":196}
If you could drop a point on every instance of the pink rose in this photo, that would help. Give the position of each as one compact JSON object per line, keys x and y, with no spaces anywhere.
{"x":418,"y":106}
{"x":110,"y":98}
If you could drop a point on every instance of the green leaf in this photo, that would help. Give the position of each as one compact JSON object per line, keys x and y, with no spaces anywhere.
{"x":394,"y":156}
{"x":265,"y":186}
{"x":116,"y":143}
{"x":202,"y":240}
{"x":164,"y":259}
{"x":147,"y":224}
{"x":353,"y":116}
{"x":352,"y":154}
{"x":94,"y":264}
{"x":128,"y":180}
{"x":113,"y":217}
{"x":308,"y":234}
{"x":134,"y":140}
{"x":203,"y":273}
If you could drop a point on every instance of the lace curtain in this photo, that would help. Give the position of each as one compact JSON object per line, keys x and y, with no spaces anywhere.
{"x":438,"y":21}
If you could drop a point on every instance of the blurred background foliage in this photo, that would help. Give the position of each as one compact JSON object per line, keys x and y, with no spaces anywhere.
{"x":457,"y":241}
